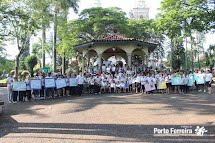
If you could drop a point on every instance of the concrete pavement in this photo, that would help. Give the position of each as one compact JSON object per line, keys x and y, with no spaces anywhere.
{"x":108,"y":118}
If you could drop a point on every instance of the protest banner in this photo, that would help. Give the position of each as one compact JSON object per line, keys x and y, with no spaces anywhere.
{"x":36,"y":84}
{"x":149,"y":87}
{"x":60,"y":83}
{"x":19,"y":86}
{"x":190,"y":81}
{"x":161,"y":85}
{"x":199,"y":79}
{"x":176,"y":81}
{"x":49,"y":82}
{"x":72,"y":82}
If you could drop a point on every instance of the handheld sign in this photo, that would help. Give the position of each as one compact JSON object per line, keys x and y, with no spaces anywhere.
{"x":190,"y":81}
{"x":149,"y":86}
{"x":49,"y":82}
{"x":19,"y":86}
{"x":61,"y":83}
{"x":177,"y":81}
{"x":199,"y":79}
{"x":161,"y":85}
{"x":36,"y":84}
{"x":72,"y":82}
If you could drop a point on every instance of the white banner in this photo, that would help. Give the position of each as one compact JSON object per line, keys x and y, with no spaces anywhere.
{"x":19,"y":86}
{"x":49,"y":82}
{"x":61,"y":83}
{"x":36,"y":84}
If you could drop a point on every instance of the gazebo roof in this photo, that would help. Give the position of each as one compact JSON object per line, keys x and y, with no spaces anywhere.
{"x":116,"y":39}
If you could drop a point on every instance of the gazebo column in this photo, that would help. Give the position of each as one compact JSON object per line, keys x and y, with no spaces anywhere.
{"x":129,"y":59}
{"x":99,"y":61}
{"x":147,"y":60}
{"x":88,"y":59}
{"x":82,"y":64}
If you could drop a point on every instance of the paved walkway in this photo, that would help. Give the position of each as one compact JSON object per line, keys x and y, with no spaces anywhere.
{"x":108,"y":118}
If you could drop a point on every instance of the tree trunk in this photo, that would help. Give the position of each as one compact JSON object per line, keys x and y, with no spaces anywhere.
{"x":17,"y":66}
{"x":63,"y":64}
{"x":55,"y":40}
{"x":43,"y":46}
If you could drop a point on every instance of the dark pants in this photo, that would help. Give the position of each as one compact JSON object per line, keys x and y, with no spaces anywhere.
{"x":91,"y":89}
{"x":22,"y":95}
{"x":15,"y":94}
{"x":42,"y":92}
{"x":80,"y":89}
{"x":73,"y":90}
{"x":28,"y":94}
{"x":97,"y":88}
{"x":50,"y":92}
{"x":138,"y":86}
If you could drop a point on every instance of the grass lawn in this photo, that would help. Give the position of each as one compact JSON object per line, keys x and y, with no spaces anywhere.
{"x":3,"y":81}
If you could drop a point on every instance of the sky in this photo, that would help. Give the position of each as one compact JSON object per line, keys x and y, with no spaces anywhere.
{"x":125,"y":5}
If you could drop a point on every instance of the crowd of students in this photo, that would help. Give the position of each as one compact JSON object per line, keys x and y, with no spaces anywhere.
{"x":112,"y":79}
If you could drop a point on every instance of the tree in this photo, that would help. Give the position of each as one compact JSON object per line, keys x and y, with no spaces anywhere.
{"x":179,"y":18}
{"x":31,"y":62}
{"x":20,"y":25}
{"x":66,"y":43}
{"x":42,"y":12}
{"x":62,"y":5}
{"x":95,"y":23}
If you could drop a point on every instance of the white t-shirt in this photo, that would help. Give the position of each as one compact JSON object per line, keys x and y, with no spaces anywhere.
{"x":103,"y":68}
{"x":9,"y":80}
{"x":138,"y":79}
{"x":113,"y":69}
{"x":80,"y":79}
{"x":208,"y":77}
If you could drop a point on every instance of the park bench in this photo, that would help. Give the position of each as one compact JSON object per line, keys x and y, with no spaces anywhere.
{"x":1,"y":106}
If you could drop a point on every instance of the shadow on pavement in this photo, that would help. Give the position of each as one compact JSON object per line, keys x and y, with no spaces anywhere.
{"x":122,"y":132}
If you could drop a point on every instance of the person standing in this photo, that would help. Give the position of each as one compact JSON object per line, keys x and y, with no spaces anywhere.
{"x":28,"y":91}
{"x":80,"y":81}
{"x":208,"y":80}
{"x":9,"y":87}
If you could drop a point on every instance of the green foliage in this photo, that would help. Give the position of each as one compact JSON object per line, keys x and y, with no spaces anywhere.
{"x":25,"y":73}
{"x":95,"y":23}
{"x":6,"y":66}
{"x":31,"y":62}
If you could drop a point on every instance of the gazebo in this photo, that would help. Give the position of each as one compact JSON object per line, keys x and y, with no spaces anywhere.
{"x":115,"y":45}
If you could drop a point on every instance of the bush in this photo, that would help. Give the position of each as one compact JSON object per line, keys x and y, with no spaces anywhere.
{"x":36,"y":69}
{"x":31,"y":62}
{"x":25,"y":73}
{"x":12,"y":72}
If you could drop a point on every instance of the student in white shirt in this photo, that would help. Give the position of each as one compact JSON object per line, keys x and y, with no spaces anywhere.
{"x":103,"y":85}
{"x":168,"y":83}
{"x":118,"y":87}
{"x":137,"y":83}
{"x":142,"y":81}
{"x":208,"y":80}
{"x":80,"y":81}
{"x":9,"y":87}
{"x":112,"y":86}
{"x":28,"y":91}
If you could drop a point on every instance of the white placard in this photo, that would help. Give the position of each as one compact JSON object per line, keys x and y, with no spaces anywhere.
{"x":61,"y":83}
{"x":36,"y":84}
{"x":72,"y":82}
{"x":49,"y":82}
{"x":19,"y":86}
{"x":149,"y":87}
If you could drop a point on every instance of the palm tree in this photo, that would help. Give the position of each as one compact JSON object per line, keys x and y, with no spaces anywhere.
{"x":61,"y":5}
